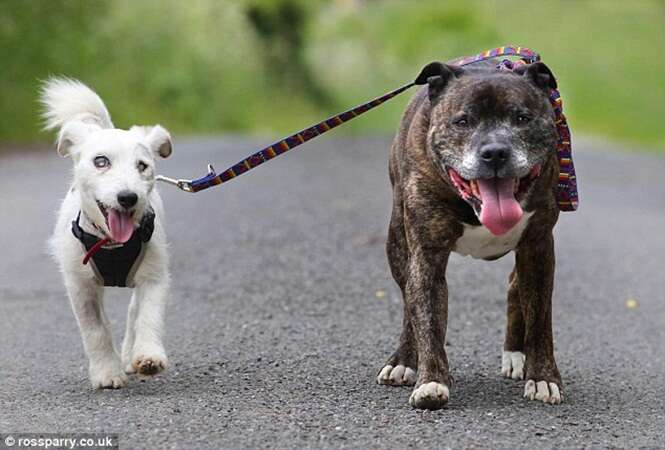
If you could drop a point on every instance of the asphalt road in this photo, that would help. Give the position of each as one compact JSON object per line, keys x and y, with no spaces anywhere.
{"x":283,"y":310}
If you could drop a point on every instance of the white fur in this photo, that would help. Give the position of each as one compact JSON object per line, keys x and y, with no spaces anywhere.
{"x":512,"y":365}
{"x":66,"y":100}
{"x":432,"y":395}
{"x":86,"y":131}
{"x":397,"y":376}
{"x":543,"y":391}
{"x":478,"y":242}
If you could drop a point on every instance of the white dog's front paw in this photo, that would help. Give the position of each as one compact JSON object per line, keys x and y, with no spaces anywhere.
{"x":512,"y":365}
{"x":129,"y":369}
{"x":430,"y":395}
{"x":543,"y":391}
{"x":107,"y":375}
{"x":149,"y":363}
{"x":127,"y":357}
{"x":397,"y":376}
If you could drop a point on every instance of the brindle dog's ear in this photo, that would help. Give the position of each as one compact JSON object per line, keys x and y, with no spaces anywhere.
{"x":540,"y":75}
{"x":437,"y":75}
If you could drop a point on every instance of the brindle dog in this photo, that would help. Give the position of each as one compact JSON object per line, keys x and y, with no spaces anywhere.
{"x":473,"y":169}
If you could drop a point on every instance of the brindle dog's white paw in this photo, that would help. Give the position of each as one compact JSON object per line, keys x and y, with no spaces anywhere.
{"x":397,"y":376}
{"x":512,"y":365}
{"x":107,"y":376}
{"x":543,"y":391}
{"x":430,"y":395}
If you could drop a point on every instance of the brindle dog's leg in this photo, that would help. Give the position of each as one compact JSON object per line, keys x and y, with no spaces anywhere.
{"x":512,"y":359}
{"x":400,"y":369}
{"x":535,"y":275}
{"x":426,"y":298}
{"x":430,"y":236}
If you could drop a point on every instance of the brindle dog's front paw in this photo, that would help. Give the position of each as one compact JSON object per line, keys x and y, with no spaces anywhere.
{"x":544,"y":391}
{"x":430,"y":395}
{"x":399,"y":375}
{"x":401,"y":367}
{"x":512,"y":365}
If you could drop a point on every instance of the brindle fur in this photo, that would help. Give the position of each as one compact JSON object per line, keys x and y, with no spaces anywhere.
{"x":428,"y":217}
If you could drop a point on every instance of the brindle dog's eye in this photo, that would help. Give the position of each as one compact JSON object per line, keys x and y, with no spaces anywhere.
{"x":141,"y":166}
{"x":101,"y":162}
{"x":523,"y":118}
{"x":462,"y":121}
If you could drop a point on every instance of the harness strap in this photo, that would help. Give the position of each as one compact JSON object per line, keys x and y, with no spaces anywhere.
{"x":566,"y":190}
{"x":94,"y":249}
{"x":115,"y":264}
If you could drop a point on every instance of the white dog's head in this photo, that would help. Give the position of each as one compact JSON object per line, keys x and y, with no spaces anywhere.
{"x":114,"y":172}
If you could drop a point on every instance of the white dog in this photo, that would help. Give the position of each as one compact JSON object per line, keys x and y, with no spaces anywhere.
{"x":112,"y":215}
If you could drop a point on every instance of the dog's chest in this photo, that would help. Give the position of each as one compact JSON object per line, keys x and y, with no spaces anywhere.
{"x":478,"y":242}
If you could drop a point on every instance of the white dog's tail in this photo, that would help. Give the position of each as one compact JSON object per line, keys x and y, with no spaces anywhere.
{"x":65,"y":99}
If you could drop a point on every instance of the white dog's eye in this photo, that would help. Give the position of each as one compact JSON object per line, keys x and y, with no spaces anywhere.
{"x":101,"y":161}
{"x":141,"y":166}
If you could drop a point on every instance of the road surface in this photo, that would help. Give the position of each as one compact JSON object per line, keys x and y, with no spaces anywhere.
{"x":283,"y":311}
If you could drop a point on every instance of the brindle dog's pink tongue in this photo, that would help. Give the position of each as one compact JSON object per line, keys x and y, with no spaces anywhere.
{"x":500,"y":211}
{"x":121,"y":225}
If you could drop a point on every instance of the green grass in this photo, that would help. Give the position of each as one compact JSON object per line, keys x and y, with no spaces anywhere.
{"x":197,"y":67}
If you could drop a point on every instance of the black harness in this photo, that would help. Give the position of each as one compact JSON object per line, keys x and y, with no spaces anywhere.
{"x":115,"y":264}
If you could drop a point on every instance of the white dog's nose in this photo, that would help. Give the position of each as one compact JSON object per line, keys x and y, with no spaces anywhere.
{"x":127,"y":199}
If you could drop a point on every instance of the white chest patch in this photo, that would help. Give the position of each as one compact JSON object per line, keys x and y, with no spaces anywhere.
{"x":478,"y":242}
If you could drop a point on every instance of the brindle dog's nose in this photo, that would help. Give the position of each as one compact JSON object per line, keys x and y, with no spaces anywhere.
{"x":495,"y":154}
{"x":127,"y":199}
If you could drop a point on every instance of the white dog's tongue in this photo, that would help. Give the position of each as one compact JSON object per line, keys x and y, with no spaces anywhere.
{"x":500,"y":211}
{"x":121,"y":225}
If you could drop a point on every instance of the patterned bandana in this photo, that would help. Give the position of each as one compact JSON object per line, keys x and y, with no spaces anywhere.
{"x":566,"y":190}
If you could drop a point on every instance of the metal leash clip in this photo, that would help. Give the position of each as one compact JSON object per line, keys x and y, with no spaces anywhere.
{"x":185,"y":185}
{"x":188,"y":185}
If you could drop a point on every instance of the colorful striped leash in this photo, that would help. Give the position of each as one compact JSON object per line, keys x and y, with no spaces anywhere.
{"x":566,"y":190}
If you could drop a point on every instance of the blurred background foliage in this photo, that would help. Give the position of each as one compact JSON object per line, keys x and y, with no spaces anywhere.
{"x":271,"y":67}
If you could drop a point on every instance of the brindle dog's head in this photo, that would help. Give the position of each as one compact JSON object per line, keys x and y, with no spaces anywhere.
{"x":490,"y":133}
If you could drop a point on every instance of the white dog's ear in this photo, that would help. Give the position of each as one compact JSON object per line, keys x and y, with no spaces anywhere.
{"x":73,"y":133}
{"x":159,"y":141}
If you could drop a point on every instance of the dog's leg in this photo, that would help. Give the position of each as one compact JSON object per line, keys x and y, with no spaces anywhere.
{"x":105,"y":368}
{"x":535,"y":276}
{"x":148,"y":355}
{"x":427,"y":301}
{"x":400,"y":369}
{"x":130,"y":335}
{"x":429,"y":237}
{"x":512,"y":359}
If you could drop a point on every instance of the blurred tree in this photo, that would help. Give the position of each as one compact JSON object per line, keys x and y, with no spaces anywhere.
{"x":221,"y":65}
{"x":281,"y":27}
